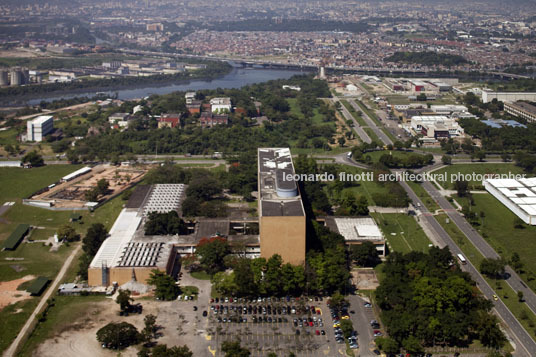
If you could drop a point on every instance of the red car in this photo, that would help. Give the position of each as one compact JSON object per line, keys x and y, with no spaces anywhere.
{"x":311,"y":323}
{"x":317,"y":333}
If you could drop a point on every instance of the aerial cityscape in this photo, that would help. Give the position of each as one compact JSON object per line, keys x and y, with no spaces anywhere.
{"x":268,"y":178}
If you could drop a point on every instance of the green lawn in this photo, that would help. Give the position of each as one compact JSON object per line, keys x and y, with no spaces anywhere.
{"x":452,"y":171}
{"x":424,"y":196}
{"x":402,"y":232}
{"x":61,"y":317}
{"x":498,"y":229}
{"x":201,"y":275}
{"x":367,"y":188}
{"x":372,"y":135}
{"x":12,"y":318}
{"x":20,"y":183}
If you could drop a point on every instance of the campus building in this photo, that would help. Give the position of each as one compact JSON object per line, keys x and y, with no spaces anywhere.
{"x":518,"y":195}
{"x":280,"y":207}
{"x":521,"y":110}
{"x":39,"y":127}
{"x":357,"y":231}
{"x":489,"y":95}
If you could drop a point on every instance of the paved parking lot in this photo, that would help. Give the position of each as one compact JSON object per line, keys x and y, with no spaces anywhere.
{"x":280,"y":335}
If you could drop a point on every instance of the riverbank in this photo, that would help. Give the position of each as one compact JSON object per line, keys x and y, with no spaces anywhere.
{"x":26,"y":95}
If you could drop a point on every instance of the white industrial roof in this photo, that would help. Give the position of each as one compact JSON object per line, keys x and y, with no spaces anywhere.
{"x":520,"y":192}
{"x":78,"y":172}
{"x":358,"y":229}
{"x":121,"y":234}
{"x":164,"y":198}
{"x":41,"y":119}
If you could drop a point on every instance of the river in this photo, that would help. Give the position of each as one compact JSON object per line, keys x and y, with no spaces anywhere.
{"x":237,"y":78}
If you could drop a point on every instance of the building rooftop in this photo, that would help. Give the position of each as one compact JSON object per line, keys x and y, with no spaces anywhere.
{"x":41,"y":119}
{"x":163,"y":198}
{"x":521,"y":192}
{"x":278,"y":191}
{"x":358,"y":229}
{"x":524,"y":106}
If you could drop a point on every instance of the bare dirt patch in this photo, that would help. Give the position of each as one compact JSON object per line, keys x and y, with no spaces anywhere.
{"x":365,"y":279}
{"x":9,"y":293}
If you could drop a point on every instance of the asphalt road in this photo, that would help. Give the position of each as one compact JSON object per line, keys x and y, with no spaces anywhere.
{"x":383,"y":137}
{"x":358,"y":129}
{"x":480,"y":243}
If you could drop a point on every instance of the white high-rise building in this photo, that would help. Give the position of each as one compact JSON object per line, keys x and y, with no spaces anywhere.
{"x":40,"y":127}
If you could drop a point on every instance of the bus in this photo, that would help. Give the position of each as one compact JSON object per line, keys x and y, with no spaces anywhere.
{"x":462,"y":259}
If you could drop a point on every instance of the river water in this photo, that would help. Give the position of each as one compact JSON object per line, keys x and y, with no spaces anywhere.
{"x":237,"y":78}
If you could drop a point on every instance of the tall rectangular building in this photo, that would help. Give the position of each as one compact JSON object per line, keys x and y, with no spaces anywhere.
{"x":40,"y":127}
{"x":281,"y":212}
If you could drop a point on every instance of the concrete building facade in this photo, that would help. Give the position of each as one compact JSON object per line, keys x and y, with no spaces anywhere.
{"x":521,"y":110}
{"x":488,"y":96}
{"x":39,"y":127}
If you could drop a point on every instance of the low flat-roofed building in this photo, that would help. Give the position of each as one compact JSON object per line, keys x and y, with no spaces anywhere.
{"x":448,"y":109}
{"x":521,"y":110}
{"x":357,"y":230}
{"x":519,"y":195}
{"x":489,"y":95}
{"x":281,"y":212}
{"x":220,"y":105}
{"x":169,"y":120}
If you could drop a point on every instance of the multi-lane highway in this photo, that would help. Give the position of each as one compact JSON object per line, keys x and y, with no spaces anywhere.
{"x":372,"y":125}
{"x":358,"y":129}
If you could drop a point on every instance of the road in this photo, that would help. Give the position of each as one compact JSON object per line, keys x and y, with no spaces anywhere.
{"x":51,"y":290}
{"x":358,"y":129}
{"x":480,"y":243}
{"x":379,"y":133}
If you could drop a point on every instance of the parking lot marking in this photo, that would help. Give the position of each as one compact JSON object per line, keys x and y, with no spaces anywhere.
{"x":208,"y":337}
{"x":213,"y":352}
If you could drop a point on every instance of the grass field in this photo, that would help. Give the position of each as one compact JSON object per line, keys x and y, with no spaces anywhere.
{"x":498,"y":230}
{"x":372,"y":135}
{"x":12,"y":317}
{"x":451,"y":172}
{"x":402,"y":232}
{"x":59,"y":317}
{"x":424,"y":196}
{"x":20,"y":183}
{"x":367,"y":188}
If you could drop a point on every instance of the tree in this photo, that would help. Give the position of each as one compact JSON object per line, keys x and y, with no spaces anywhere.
{"x":446,"y":159}
{"x":175,"y":351}
{"x":124,"y":300}
{"x":166,"y":288}
{"x":149,"y":330}
{"x":520,"y":296}
{"x":91,"y":195}
{"x":516,"y":262}
{"x":164,"y":224}
{"x":95,"y":235}
{"x":244,"y":278}
{"x":33,"y":159}
{"x":102,"y":186}
{"x":211,"y":253}
{"x":341,"y":140}
{"x":461,"y":186}
{"x":480,"y":155}
{"x":234,"y":349}
{"x":493,"y":268}
{"x":387,"y":345}
{"x":365,"y":254}
{"x":506,"y":157}
{"x":67,"y":233}
{"x":118,"y":335}
{"x":412,"y":345}
{"x":224,"y":283}
{"x":347,"y":328}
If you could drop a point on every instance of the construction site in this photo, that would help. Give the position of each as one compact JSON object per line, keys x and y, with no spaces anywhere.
{"x":71,"y":191}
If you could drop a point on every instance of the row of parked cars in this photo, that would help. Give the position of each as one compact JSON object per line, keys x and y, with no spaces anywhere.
{"x":263,"y":309}
{"x":338,"y":314}
{"x":263,"y":299}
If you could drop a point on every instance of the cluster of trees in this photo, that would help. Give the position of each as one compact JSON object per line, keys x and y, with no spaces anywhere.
{"x":254,"y":277}
{"x":427,"y":58}
{"x":143,"y":136}
{"x":203,"y":196}
{"x":95,"y":236}
{"x":67,"y":233}
{"x":164,"y":224}
{"x":427,"y":300}
{"x":410,"y":161}
{"x":32,"y":158}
